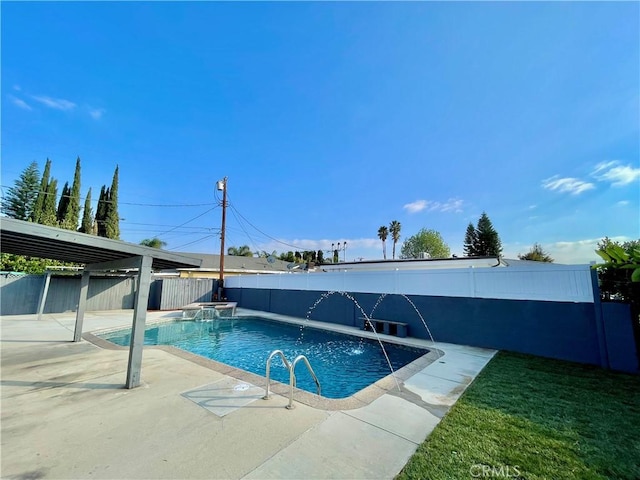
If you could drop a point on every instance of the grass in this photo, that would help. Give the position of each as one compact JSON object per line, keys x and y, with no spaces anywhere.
{"x":535,"y":418}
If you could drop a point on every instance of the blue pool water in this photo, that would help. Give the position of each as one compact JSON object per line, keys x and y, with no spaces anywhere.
{"x":344,"y":364}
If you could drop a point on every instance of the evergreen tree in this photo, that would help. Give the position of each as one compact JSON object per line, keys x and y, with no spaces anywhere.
{"x":287,"y":257}
{"x":112,"y":220}
{"x":49,"y":213}
{"x":470,"y":241}
{"x":63,"y":203}
{"x":320,"y":257}
{"x":536,"y":254}
{"x":21,"y":198}
{"x":488,"y":242}
{"x":72,"y":212}
{"x":101,"y":212}
{"x":38,"y":206}
{"x":87,"y":221}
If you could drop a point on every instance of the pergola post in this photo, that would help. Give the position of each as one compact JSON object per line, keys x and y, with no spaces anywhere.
{"x":97,"y":254}
{"x":82,"y":305}
{"x":43,"y":295}
{"x":134,"y":366}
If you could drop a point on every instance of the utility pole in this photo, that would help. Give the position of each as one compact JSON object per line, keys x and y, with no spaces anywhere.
{"x":222,"y":185}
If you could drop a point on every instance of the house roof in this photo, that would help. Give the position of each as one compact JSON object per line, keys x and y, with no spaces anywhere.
{"x":35,"y":240}
{"x":233,"y":263}
{"x":414,"y":264}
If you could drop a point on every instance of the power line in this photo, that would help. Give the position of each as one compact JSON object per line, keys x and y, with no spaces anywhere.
{"x":160,"y":225}
{"x":163,"y":205}
{"x":195,"y":241}
{"x":233,"y":208}
{"x":182,"y":232}
{"x":188,"y":221}
{"x":245,"y":232}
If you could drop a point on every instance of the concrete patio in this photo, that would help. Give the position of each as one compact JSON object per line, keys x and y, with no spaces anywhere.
{"x":65,"y":413}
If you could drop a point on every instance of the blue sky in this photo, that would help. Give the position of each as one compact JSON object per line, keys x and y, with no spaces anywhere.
{"x":332,"y":119}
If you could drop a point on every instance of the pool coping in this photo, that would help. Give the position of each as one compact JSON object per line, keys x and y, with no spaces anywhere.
{"x":364,"y":397}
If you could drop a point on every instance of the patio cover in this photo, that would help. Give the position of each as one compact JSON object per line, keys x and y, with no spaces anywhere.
{"x":98,"y":254}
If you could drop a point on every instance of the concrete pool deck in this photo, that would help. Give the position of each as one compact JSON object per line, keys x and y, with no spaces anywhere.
{"x":65,"y":413}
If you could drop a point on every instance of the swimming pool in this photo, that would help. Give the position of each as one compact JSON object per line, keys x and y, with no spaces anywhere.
{"x":344,"y":364}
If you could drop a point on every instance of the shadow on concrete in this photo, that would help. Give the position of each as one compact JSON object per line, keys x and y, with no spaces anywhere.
{"x":38,"y":341}
{"x":86,"y":386}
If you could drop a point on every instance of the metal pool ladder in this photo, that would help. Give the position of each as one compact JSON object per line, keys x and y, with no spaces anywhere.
{"x":291,"y":366}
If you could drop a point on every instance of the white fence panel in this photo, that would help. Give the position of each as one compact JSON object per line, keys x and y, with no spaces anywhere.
{"x":557,"y":283}
{"x":535,"y":284}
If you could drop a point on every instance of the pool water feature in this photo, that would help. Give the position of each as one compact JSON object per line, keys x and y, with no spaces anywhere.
{"x":367,"y":320}
{"x":384,"y":295}
{"x":344,"y":364}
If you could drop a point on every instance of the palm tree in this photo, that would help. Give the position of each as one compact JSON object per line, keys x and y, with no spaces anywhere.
{"x":153,"y":242}
{"x":243,"y":251}
{"x":394,"y":230}
{"x":383,"y":233}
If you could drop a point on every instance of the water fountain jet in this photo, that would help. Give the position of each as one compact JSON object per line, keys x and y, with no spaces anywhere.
{"x":326,"y":295}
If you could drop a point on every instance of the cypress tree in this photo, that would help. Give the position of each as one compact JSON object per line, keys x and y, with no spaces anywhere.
{"x":63,"y":204}
{"x":38,"y":206}
{"x":101,"y":212}
{"x":112,"y":220}
{"x":49,"y":214}
{"x":21,"y":198}
{"x":87,"y":221}
{"x":72,"y":213}
{"x":470,"y":241}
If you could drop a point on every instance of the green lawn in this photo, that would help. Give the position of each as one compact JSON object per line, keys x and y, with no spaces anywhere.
{"x":536,"y":418}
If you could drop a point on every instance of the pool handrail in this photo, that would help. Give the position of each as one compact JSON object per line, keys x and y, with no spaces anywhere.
{"x":268,"y":368}
{"x":292,"y":377}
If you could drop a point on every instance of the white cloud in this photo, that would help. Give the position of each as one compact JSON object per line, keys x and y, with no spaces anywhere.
{"x":581,"y":251}
{"x":96,"y":113}
{"x":570,"y":185}
{"x":416,"y":206}
{"x":451,"y":205}
{"x":56,"y":103}
{"x":615,"y":173}
{"x":20,"y":103}
{"x":578,"y":252}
